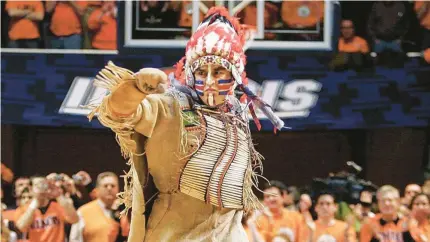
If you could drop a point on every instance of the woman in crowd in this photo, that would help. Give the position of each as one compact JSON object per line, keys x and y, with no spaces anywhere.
{"x":419,"y":222}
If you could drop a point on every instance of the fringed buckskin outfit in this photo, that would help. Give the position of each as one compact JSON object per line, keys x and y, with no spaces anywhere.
{"x":201,"y":158}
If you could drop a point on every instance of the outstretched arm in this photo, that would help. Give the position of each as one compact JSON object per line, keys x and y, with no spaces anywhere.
{"x":129,"y":93}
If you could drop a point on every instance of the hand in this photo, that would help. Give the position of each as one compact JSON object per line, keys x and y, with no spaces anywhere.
{"x":151,"y":80}
{"x":68,"y":184}
{"x":82,"y":178}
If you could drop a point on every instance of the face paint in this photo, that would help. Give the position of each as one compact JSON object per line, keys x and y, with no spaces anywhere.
{"x":213,"y":83}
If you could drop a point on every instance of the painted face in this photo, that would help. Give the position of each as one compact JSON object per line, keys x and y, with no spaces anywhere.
{"x":213,"y":83}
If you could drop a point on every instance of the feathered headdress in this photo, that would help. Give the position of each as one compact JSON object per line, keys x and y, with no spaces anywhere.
{"x":220,"y":39}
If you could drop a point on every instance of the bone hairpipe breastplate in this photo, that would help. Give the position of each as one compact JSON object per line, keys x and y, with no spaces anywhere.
{"x":216,"y":172}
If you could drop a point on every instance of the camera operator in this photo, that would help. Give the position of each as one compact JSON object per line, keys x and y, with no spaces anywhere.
{"x":45,"y":216}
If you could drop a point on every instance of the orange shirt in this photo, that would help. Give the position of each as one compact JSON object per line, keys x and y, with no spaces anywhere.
{"x":186,"y":19}
{"x":65,"y":21}
{"x":105,"y":30}
{"x":47,"y":227}
{"x":98,"y":227}
{"x":6,"y":173}
{"x":387,"y":231}
{"x":23,"y":28}
{"x":302,"y":14}
{"x":425,"y":21}
{"x":338,"y":231}
{"x":427,"y":55}
{"x":249,"y":15}
{"x":357,"y":44}
{"x":8,"y":214}
{"x":288,"y":224}
{"x":421,"y":232}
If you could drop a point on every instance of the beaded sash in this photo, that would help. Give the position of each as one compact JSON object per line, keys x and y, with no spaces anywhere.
{"x":216,"y":172}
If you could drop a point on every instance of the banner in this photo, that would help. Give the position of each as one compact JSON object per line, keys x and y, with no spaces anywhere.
{"x":299,"y":86}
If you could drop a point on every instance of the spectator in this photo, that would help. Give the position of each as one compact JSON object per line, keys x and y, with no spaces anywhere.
{"x":44,"y":218}
{"x":352,"y":49}
{"x":103,"y":22}
{"x":419,"y":224}
{"x":248,"y":16}
{"x":185,"y":9}
{"x":278,"y":222}
{"x":66,"y":23}
{"x":422,"y":9}
{"x":23,"y":25}
{"x":411,"y":190}
{"x":96,"y":218}
{"x":22,"y":199}
{"x":250,"y":227}
{"x":388,"y":23}
{"x":349,"y":42}
{"x":386,"y":226}
{"x":305,"y":205}
{"x":365,"y":207}
{"x":82,"y":178}
{"x":20,"y":184}
{"x":326,"y":227}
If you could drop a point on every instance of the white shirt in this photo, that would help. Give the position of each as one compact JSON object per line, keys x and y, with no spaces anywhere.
{"x":76,"y":232}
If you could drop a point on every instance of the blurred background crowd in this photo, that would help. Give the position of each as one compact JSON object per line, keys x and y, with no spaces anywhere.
{"x":340,"y":207}
{"x":392,"y":27}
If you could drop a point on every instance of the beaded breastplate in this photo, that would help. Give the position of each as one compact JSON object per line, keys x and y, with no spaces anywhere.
{"x":217,"y":170}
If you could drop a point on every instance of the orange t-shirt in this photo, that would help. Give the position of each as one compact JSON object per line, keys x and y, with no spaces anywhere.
{"x":65,"y":21}
{"x":425,"y":21}
{"x":249,"y":15}
{"x":105,"y":30}
{"x":421,"y":232}
{"x":388,"y":231}
{"x":288,"y":224}
{"x":6,"y":173}
{"x":47,"y":227}
{"x":357,"y":44}
{"x":186,"y":19}
{"x":302,"y":14}
{"x":427,"y":55}
{"x":338,"y":231}
{"x":23,"y":28}
{"x":8,"y":214}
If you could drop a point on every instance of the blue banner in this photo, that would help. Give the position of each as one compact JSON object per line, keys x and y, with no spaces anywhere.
{"x":300,"y":87}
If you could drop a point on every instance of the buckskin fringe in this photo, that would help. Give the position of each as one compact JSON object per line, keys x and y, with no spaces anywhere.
{"x":109,"y":78}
